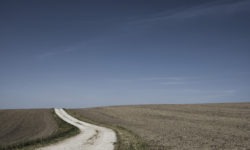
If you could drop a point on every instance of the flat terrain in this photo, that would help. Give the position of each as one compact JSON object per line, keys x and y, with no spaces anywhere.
{"x":19,"y":128}
{"x":206,"y":126}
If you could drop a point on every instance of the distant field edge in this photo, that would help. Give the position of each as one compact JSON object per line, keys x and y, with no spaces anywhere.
{"x":65,"y":130}
{"x":126,"y":139}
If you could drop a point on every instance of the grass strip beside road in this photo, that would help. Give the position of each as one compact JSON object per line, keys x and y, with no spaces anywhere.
{"x":126,"y":139}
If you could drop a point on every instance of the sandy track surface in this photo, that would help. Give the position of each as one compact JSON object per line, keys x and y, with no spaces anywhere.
{"x":91,"y":137}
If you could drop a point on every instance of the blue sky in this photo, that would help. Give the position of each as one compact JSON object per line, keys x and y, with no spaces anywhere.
{"x":98,"y":53}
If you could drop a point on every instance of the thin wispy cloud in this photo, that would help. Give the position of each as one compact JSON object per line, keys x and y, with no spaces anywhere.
{"x":53,"y":53}
{"x":162,"y":78}
{"x":214,"y":8}
{"x":168,"y":81}
{"x":58,"y":51}
{"x":217,"y":94}
{"x":126,"y":52}
{"x":148,"y":79}
{"x":173,"y":83}
{"x":196,"y":91}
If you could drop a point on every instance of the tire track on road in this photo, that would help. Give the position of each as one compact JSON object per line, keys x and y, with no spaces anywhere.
{"x":91,"y":137}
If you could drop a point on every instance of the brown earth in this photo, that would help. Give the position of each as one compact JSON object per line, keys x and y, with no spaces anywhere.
{"x":22,"y":128}
{"x":19,"y":125}
{"x":203,"y":126}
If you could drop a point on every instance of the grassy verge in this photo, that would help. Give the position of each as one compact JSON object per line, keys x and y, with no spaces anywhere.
{"x":65,"y":130}
{"x":126,"y":139}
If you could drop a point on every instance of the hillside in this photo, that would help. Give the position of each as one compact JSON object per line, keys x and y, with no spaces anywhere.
{"x":206,"y":126}
{"x":22,"y":128}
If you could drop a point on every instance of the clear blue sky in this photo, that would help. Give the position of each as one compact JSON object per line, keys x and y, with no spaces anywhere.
{"x":94,"y":53}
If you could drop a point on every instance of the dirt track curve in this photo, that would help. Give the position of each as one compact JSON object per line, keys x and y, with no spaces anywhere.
{"x":91,"y":137}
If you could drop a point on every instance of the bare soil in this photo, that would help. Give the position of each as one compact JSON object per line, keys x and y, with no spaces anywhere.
{"x":26,"y":129}
{"x":203,"y":126}
{"x":19,"y":125}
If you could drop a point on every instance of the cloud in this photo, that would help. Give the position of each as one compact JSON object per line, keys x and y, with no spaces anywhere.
{"x":168,"y":81}
{"x":224,"y":92}
{"x":173,"y":83}
{"x":57,"y":51}
{"x":148,"y":79}
{"x":215,"y":8}
{"x":218,"y":94}
{"x":52,"y":53}
{"x":162,"y":78}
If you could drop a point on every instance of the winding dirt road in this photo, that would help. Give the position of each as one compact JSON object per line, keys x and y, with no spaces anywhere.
{"x":91,"y":137}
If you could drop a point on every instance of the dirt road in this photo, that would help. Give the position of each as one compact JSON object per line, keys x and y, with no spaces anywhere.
{"x":91,"y":137}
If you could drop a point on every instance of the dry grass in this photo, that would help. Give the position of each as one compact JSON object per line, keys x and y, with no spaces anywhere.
{"x":208,"y":126}
{"x":126,"y":139}
{"x":24,"y":129}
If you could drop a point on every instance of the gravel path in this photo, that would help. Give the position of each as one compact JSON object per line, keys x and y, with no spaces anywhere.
{"x":91,"y":137}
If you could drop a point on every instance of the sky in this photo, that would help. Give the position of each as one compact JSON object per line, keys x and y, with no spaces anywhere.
{"x":98,"y":53}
